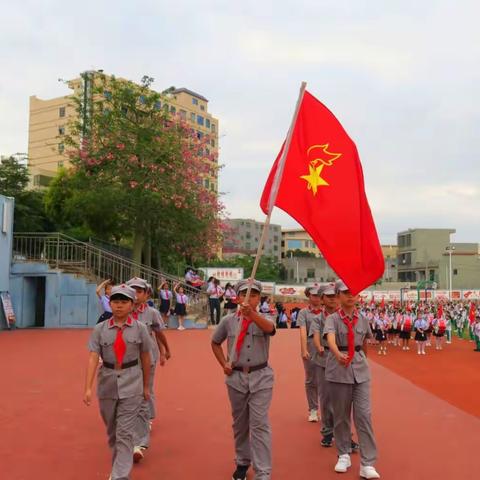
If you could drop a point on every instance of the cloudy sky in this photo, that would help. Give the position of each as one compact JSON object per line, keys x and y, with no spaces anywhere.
{"x":401,"y":75}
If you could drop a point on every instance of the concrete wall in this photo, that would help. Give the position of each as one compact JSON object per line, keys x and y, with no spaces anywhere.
{"x":70,"y":301}
{"x":6,"y":231}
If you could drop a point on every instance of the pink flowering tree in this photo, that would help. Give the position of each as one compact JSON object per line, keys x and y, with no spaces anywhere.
{"x":144,"y":167}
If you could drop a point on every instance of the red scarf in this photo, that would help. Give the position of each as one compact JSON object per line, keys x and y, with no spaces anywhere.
{"x":351,"y":336}
{"x":315,"y":311}
{"x":243,"y":332}
{"x":139,"y":309}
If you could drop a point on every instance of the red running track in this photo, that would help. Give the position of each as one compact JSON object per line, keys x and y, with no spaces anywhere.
{"x":48,"y":433}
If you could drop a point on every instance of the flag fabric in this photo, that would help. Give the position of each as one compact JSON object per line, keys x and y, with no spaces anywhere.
{"x":471,"y":313}
{"x":440,"y":311}
{"x":382,"y":303}
{"x":322,"y":187}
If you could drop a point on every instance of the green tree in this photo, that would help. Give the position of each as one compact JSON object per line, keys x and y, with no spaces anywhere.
{"x":137,"y":174}
{"x":29,"y":213}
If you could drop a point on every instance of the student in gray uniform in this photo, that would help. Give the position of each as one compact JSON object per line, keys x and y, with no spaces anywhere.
{"x":122,"y":385}
{"x":160,"y":351}
{"x":249,"y":380}
{"x":307,"y":349}
{"x":348,"y":376}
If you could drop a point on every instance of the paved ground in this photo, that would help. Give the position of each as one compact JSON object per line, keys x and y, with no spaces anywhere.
{"x":426,"y":413}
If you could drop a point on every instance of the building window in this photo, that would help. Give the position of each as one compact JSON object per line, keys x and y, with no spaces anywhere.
{"x":200,"y":120}
{"x":202,"y":107}
{"x":212,"y":142}
{"x":207,"y":183}
{"x":107,"y":95}
{"x":294,"y":244}
{"x":194,"y":101}
{"x":212,"y":187}
{"x":310,"y":273}
{"x":61,"y":130}
{"x":207,"y":151}
{"x":248,"y":246}
{"x":199,"y":135}
{"x":213,"y":127}
{"x":183,"y":114}
{"x":192,"y":117}
{"x":142,"y":99}
{"x":61,"y":112}
{"x":60,"y":163}
{"x":61,"y":148}
{"x":158,"y":105}
{"x":455,"y":271}
{"x":207,"y":123}
{"x":248,"y":236}
{"x":275,"y":248}
{"x":173,"y":110}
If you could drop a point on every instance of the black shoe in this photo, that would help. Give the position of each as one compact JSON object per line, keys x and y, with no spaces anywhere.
{"x":355,"y":446}
{"x":240,"y":473}
{"x":327,"y":441}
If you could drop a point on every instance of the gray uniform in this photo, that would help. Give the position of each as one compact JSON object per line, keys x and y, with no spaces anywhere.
{"x":152,"y":319}
{"x":304,"y":319}
{"x":250,"y":396}
{"x":120,"y":392}
{"x":350,"y":386}
{"x":318,"y":325}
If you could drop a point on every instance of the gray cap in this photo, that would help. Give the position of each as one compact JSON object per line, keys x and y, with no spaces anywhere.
{"x":138,"y":282}
{"x":340,"y":286}
{"x":328,"y":289}
{"x":315,"y":290}
{"x":124,"y":290}
{"x":243,"y":285}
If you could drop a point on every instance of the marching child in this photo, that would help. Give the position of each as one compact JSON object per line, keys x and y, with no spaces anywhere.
{"x":159,"y":351}
{"x":476,"y":329}
{"x":307,"y":350}
{"x":181,"y":301}
{"x":123,"y":379}
{"x":439,"y":328}
{"x":249,"y":380}
{"x":348,"y":376}
{"x":230,"y":299}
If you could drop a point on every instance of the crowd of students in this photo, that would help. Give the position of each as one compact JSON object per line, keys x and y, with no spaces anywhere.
{"x":335,"y":331}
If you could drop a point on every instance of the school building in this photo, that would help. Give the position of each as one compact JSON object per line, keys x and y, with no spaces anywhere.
{"x":49,"y":120}
{"x":241,"y":237}
{"x":428,"y":256}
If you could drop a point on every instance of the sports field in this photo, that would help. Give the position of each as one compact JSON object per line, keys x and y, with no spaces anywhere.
{"x":426,"y":413}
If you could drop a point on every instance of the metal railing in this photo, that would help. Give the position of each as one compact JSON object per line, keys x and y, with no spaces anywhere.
{"x":62,"y":252}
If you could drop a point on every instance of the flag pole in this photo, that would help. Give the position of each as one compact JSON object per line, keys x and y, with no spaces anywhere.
{"x":271,"y":203}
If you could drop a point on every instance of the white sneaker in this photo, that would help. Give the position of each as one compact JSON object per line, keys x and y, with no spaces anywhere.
{"x":368,"y":472}
{"x":181,"y":327}
{"x":313,"y":417}
{"x":407,"y":348}
{"x":384,"y":352}
{"x":343,"y":463}
{"x":423,"y":353}
{"x":137,"y":454}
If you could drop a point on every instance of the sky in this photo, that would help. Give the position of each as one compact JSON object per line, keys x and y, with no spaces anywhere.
{"x":402,"y":77}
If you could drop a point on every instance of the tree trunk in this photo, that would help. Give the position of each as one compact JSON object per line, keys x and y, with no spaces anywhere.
{"x":138,"y":240}
{"x":147,"y":251}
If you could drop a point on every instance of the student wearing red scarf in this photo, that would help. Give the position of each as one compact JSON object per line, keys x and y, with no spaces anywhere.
{"x":160,"y":351}
{"x":348,"y":376}
{"x":249,"y":380}
{"x":123,"y":379}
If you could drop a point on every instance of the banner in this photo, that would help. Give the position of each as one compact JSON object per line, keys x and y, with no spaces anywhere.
{"x":8,"y":308}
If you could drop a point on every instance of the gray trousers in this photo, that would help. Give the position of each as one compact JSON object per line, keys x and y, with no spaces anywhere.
{"x":251,"y":430}
{"x":311,"y":384}
{"x":343,"y":396}
{"x":119,"y":416}
{"x":146,"y":411}
{"x":325,"y":402}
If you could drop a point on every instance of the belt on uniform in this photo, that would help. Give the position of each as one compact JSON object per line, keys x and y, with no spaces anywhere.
{"x":251,"y":369}
{"x":345,"y":349}
{"x":113,"y":366}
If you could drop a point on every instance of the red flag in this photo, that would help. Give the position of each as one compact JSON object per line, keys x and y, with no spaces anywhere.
{"x":440,"y":311}
{"x":382,"y":303}
{"x":372,"y":300}
{"x":322,"y":188}
{"x":471,"y":313}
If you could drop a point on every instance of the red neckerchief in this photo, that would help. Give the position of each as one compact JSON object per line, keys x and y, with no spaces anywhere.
{"x":315,"y":311}
{"x":351,"y":337}
{"x":119,"y":345}
{"x":138,"y":310}
{"x":243,"y":332}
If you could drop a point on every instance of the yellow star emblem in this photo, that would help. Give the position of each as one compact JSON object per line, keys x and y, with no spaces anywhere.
{"x":314,"y":179}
